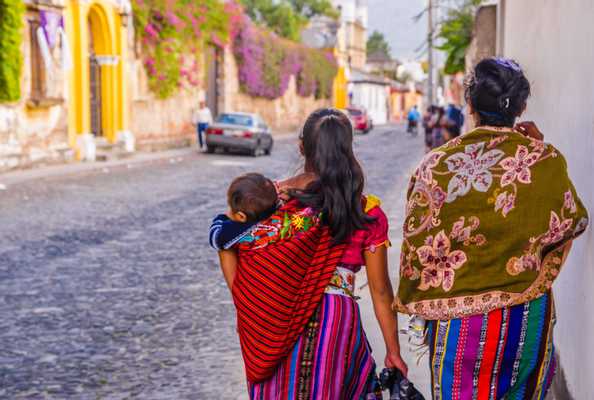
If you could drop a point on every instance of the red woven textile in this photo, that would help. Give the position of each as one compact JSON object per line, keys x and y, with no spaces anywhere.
{"x":276,"y":291}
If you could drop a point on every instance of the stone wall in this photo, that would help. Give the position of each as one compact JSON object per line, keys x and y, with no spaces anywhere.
{"x":160,"y":124}
{"x":285,"y":114}
{"x":34,"y":130}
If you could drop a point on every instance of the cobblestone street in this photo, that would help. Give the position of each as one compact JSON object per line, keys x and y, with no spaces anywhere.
{"x":108,"y":289}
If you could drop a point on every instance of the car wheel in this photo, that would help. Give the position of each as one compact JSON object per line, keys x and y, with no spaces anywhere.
{"x":210,"y":149}
{"x":268,"y":151}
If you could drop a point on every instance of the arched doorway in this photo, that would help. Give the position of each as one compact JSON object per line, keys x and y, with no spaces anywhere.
{"x":101,"y":71}
{"x":95,"y":85}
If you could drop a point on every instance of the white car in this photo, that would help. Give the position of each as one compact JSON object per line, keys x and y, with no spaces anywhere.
{"x":239,"y":131}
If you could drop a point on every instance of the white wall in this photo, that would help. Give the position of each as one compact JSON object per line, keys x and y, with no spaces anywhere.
{"x":374,"y":98}
{"x":553,"y":41}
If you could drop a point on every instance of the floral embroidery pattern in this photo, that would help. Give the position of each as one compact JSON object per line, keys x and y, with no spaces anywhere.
{"x":430,"y":161}
{"x":518,"y":167}
{"x":569,"y":202}
{"x":471,"y":170}
{"x":440,"y":262}
{"x":505,"y":202}
{"x":557,"y":229}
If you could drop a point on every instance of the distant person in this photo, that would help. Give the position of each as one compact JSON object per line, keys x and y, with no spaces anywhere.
{"x":427,"y":117}
{"x":436,"y":126}
{"x":452,"y":123}
{"x":201,"y":118}
{"x":413,"y":120}
{"x":490,"y":220}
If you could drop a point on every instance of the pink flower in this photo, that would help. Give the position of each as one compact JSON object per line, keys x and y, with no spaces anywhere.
{"x":569,"y":202}
{"x":472,"y":170}
{"x":557,"y":229}
{"x":173,"y":19}
{"x":440,"y":263}
{"x":438,"y":195}
{"x":430,"y":161}
{"x":151,"y":31}
{"x":505,"y":202}
{"x":518,"y":167}
{"x":459,"y":232}
{"x":537,"y":145}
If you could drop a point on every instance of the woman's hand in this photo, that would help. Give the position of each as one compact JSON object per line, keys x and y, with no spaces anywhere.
{"x":529,"y":129}
{"x":298,"y":182}
{"x":394,"y":360}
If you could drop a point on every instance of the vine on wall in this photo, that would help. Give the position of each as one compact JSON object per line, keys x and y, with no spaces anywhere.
{"x":172,"y":34}
{"x":11,"y":59}
{"x":266,"y":63}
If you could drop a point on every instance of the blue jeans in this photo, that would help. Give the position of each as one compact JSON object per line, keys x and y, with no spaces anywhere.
{"x":200,"y":128}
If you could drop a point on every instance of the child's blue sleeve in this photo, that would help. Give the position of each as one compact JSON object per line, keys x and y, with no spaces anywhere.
{"x":224,"y":233}
{"x":216,"y":228}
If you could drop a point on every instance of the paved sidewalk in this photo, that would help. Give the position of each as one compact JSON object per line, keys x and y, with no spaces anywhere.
{"x":135,"y":160}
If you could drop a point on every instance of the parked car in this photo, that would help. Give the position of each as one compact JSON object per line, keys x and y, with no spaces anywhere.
{"x":361,"y":120}
{"x":239,"y":131}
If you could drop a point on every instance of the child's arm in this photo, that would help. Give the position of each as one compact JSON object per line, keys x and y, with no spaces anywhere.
{"x":228,"y":260}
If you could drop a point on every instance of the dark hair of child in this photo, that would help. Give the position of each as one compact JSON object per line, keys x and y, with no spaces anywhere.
{"x":253,"y":194}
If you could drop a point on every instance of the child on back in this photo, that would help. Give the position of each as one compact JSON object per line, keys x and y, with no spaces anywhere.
{"x":251,"y":199}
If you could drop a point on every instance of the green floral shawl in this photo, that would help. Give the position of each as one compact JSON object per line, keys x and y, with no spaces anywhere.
{"x":488,"y":218}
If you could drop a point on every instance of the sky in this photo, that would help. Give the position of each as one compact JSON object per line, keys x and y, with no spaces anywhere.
{"x":394,"y":18}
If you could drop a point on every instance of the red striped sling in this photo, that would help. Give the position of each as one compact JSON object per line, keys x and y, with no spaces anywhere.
{"x":276,"y":291}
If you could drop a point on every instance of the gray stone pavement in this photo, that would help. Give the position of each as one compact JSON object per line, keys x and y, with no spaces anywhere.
{"x":108,"y":289}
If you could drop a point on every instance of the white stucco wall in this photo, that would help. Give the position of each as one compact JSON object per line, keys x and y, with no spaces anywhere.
{"x":372,"y":97}
{"x":553,"y":41}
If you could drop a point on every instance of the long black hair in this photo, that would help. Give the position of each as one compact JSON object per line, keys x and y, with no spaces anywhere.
{"x":327,"y":140}
{"x":497,"y":90}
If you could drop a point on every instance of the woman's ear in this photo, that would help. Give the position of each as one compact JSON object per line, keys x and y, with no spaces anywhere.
{"x":301,"y":150}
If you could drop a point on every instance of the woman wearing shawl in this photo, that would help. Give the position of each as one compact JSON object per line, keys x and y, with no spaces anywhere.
{"x":298,"y":321}
{"x":490,"y":218}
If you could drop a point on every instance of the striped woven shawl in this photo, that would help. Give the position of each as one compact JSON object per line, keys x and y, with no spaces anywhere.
{"x":276,"y":291}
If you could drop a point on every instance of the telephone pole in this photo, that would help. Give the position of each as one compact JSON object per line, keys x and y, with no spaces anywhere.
{"x":430,"y":83}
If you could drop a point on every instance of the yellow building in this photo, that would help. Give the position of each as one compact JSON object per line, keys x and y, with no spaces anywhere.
{"x":98,"y":33}
{"x":74,"y":83}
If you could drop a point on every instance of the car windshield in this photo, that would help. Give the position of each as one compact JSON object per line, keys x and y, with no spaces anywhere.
{"x":235,"y":119}
{"x":354,"y":113}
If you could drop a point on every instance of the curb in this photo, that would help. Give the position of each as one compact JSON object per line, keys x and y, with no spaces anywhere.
{"x":137,"y":158}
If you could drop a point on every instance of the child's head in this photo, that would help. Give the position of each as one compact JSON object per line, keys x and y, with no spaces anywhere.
{"x":250,"y":196}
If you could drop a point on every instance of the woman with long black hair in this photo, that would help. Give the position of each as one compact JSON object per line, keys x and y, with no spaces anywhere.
{"x":298,"y":321}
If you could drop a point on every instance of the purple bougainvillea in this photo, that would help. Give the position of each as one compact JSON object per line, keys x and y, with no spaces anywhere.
{"x":267,"y":62}
{"x":170,"y":29}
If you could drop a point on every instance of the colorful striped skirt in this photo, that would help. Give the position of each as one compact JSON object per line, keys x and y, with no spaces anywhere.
{"x":505,"y":354}
{"x":330,"y":361}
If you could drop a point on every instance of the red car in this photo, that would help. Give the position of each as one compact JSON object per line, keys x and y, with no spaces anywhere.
{"x":361,"y":120}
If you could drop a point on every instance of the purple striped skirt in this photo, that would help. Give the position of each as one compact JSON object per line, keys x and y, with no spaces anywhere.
{"x":330,"y":361}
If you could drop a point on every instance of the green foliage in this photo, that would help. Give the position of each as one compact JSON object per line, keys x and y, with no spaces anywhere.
{"x":456,"y":35}
{"x":311,"y":8}
{"x":173,"y":35}
{"x":11,"y":59}
{"x":377,"y":43}
{"x":287,"y":17}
